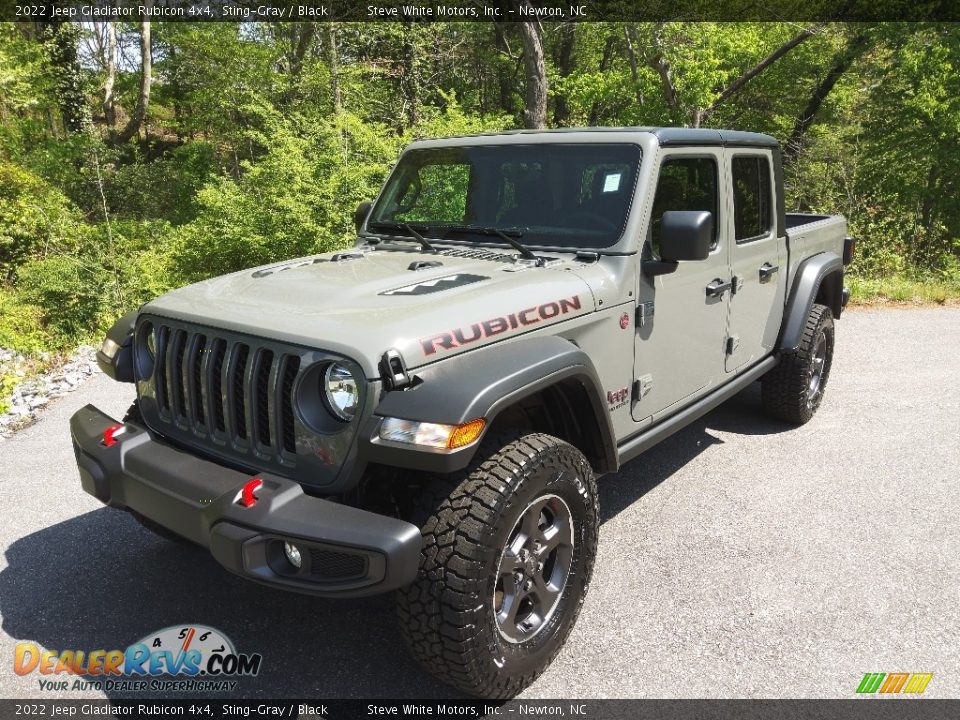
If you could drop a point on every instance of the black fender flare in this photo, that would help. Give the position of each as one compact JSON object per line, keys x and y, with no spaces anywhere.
{"x":120,"y":366}
{"x":810,"y":275}
{"x":483,"y":383}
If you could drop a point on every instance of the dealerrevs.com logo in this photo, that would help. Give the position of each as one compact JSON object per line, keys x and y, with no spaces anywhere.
{"x":190,"y":658}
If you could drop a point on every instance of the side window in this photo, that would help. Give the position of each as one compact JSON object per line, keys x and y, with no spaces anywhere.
{"x":752,"y":216}
{"x":685,"y":183}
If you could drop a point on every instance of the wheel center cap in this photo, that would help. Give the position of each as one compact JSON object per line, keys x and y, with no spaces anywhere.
{"x":529,"y":562}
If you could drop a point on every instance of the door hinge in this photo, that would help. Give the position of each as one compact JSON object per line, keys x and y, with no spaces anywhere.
{"x":644,"y":313}
{"x":642,"y":386}
{"x":736,"y":283}
{"x":733,"y":343}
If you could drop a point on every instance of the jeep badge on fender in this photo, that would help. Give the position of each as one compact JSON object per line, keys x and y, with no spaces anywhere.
{"x":428,"y":412}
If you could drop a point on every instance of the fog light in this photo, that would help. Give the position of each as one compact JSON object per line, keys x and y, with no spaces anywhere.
{"x":293,"y":554}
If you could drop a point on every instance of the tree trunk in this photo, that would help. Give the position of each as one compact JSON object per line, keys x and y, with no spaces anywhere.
{"x":146,"y":78}
{"x":504,"y":83}
{"x":61,"y":39}
{"x":109,"y":111}
{"x":632,"y":57}
{"x":662,"y":67}
{"x":844,"y":59}
{"x":565,"y":67}
{"x":535,"y":110}
{"x":410,"y":82}
{"x":334,"y":68}
{"x":605,"y":61}
{"x":304,"y":38}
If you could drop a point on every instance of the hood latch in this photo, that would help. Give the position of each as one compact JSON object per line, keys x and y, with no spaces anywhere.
{"x":393,"y":370}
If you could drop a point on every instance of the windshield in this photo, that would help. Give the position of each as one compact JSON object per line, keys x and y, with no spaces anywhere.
{"x":562,"y":195}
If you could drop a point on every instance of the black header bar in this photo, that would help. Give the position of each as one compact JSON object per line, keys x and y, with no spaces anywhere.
{"x":480,"y":10}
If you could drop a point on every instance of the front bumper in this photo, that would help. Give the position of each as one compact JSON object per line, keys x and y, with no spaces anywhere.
{"x":347,"y":552}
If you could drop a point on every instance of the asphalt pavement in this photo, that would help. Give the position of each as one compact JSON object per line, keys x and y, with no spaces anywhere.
{"x":739,"y":558}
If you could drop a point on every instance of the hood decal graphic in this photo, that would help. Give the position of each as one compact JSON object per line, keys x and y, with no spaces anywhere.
{"x":425,"y":287}
{"x":494,"y":326}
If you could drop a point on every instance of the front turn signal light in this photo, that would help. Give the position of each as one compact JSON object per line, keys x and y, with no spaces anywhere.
{"x":432,"y":435}
{"x":466,"y":433}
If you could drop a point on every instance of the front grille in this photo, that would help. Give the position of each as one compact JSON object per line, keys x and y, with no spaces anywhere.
{"x":226,"y":389}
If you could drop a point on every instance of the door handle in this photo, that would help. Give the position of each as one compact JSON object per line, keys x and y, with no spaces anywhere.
{"x":718,"y":287}
{"x":767,"y":271}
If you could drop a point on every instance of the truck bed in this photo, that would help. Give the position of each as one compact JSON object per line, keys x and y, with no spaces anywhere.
{"x":811,"y":234}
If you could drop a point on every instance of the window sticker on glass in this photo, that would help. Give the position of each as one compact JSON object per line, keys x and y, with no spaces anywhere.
{"x":611,"y":183}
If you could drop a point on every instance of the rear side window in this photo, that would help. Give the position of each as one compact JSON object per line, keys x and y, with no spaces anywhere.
{"x":752,"y":216}
{"x":685,"y":183}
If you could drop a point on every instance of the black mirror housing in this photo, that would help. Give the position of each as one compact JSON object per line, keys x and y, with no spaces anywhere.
{"x":360,"y":214}
{"x":686,"y":235}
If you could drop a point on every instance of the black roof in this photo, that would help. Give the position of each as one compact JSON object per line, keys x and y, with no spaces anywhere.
{"x":665,"y":135}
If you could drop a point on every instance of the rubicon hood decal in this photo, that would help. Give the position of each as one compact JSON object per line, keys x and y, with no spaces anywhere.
{"x":426,"y":287}
{"x":497,"y":325}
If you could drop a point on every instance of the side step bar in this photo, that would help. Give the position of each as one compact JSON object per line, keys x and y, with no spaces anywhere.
{"x":631,"y":448}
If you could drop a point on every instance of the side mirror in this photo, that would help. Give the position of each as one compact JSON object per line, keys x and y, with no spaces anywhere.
{"x":686,"y":235}
{"x":360,"y":214}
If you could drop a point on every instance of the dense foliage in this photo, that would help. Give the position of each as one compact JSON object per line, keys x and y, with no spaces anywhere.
{"x":248,"y":143}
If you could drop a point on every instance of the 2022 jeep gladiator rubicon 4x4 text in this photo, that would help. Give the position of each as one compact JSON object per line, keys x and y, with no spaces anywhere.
{"x":427,"y":412}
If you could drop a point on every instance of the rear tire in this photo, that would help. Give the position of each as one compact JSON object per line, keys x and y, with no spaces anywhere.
{"x":507,"y":558}
{"x":793,"y":390}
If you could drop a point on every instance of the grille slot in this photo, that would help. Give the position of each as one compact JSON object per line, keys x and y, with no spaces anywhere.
{"x":218,"y":352}
{"x":175,"y":378}
{"x":195,"y":380}
{"x":262,"y":396}
{"x":160,"y":371}
{"x":230,"y":393}
{"x":235,"y":389}
{"x":291,"y":366}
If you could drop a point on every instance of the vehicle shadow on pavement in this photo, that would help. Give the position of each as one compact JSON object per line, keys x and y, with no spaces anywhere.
{"x":100,"y":581}
{"x":741,"y":414}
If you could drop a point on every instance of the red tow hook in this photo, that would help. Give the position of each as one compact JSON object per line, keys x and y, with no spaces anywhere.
{"x":248,"y":497}
{"x":110,"y":435}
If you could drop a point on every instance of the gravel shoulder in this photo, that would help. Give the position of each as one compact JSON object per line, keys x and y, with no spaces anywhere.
{"x":35,"y":391}
{"x":739,"y":558}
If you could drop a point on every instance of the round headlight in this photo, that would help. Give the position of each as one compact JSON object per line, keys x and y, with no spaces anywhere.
{"x":340,"y":387}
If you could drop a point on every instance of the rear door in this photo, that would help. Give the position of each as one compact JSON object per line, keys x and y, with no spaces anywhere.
{"x":757,"y":257}
{"x":681,"y":327}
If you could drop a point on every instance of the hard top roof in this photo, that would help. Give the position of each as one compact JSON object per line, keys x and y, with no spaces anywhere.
{"x":664,"y":135}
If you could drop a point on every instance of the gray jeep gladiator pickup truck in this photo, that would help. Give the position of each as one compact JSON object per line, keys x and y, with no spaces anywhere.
{"x":428,"y":412}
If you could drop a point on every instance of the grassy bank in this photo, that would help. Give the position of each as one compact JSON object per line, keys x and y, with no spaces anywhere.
{"x":902,"y":290}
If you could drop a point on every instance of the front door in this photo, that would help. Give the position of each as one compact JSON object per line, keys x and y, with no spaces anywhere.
{"x":757,"y":258}
{"x":681,"y":324}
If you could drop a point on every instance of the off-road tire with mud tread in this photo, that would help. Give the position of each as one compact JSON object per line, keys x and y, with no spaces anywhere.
{"x":447,"y":615}
{"x":785,"y":389}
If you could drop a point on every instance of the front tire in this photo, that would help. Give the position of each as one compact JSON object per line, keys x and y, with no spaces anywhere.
{"x":507,"y":558}
{"x":794,"y":389}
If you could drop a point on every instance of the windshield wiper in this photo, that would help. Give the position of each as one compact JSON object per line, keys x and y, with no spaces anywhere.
{"x":427,"y":247}
{"x":504,"y":234}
